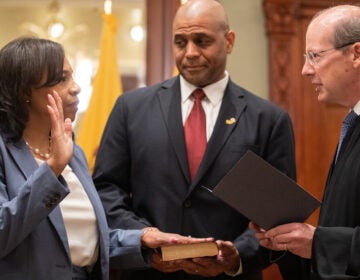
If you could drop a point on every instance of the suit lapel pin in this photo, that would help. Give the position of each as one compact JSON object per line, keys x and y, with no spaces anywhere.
{"x":230,"y":121}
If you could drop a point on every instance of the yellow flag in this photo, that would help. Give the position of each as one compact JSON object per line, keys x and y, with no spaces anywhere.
{"x":176,"y":71}
{"x":106,"y":88}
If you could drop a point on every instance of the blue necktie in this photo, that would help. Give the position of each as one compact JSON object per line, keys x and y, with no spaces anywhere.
{"x":347,"y":123}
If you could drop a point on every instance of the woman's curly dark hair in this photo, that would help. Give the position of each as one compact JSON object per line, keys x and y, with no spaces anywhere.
{"x":26,"y":63}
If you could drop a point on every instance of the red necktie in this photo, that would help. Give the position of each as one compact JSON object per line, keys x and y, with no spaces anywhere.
{"x":195,"y":133}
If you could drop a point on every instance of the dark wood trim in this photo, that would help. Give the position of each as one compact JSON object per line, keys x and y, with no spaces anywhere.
{"x":159,"y":55}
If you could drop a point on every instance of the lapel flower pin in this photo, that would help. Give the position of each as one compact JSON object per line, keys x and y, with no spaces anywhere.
{"x":230,"y":121}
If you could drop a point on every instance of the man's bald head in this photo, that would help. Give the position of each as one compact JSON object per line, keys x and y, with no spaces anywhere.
{"x":195,"y":9}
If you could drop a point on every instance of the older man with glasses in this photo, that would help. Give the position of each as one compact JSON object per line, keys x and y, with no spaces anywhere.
{"x":332,"y":62}
{"x":313,"y":57}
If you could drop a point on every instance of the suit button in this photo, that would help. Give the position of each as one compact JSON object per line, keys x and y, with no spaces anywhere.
{"x":187,"y":203}
{"x":53,"y":200}
{"x":49,"y":205}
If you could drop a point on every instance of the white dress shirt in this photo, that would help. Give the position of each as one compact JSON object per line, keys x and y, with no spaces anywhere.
{"x":211,"y":103}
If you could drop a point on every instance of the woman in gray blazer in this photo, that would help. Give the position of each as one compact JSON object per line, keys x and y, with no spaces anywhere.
{"x":52,"y":224}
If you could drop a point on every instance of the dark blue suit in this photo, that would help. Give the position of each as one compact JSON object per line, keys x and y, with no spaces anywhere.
{"x":142,"y":174}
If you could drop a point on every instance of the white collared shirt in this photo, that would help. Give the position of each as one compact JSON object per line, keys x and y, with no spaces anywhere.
{"x":211,"y":103}
{"x":356,"y":108}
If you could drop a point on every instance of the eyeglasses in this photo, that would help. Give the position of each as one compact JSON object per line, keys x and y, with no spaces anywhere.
{"x":313,"y":57}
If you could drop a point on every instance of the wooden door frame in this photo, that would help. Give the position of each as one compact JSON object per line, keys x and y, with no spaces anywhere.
{"x":159,"y":55}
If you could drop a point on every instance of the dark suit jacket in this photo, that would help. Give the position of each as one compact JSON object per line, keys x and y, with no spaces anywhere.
{"x":33,"y":238}
{"x":336,"y":245}
{"x":142,"y":173}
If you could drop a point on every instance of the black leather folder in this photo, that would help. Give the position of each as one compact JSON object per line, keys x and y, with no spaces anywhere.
{"x":263,"y":194}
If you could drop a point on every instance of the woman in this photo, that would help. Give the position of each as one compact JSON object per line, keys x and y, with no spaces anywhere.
{"x":52,"y":224}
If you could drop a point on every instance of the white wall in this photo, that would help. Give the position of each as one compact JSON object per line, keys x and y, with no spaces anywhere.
{"x":248,"y":63}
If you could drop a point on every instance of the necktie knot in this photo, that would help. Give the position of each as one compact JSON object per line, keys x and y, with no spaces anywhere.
{"x":198,"y":94}
{"x":350,"y":118}
{"x":347,"y":123}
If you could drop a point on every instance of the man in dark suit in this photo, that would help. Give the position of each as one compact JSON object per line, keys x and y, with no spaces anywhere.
{"x":333,"y":64}
{"x":145,"y":172}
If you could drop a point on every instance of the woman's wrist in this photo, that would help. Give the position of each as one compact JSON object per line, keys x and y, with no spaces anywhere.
{"x":145,"y":231}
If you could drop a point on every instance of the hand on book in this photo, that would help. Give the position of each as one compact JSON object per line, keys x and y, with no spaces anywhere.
{"x":154,"y":238}
{"x":227,"y":260}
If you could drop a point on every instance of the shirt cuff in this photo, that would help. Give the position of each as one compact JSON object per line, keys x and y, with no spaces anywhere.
{"x":238,"y":272}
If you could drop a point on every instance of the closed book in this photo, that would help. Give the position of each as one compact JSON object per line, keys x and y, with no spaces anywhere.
{"x":191,"y":250}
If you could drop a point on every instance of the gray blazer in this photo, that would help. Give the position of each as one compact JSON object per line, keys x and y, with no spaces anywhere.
{"x":33,"y":239}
